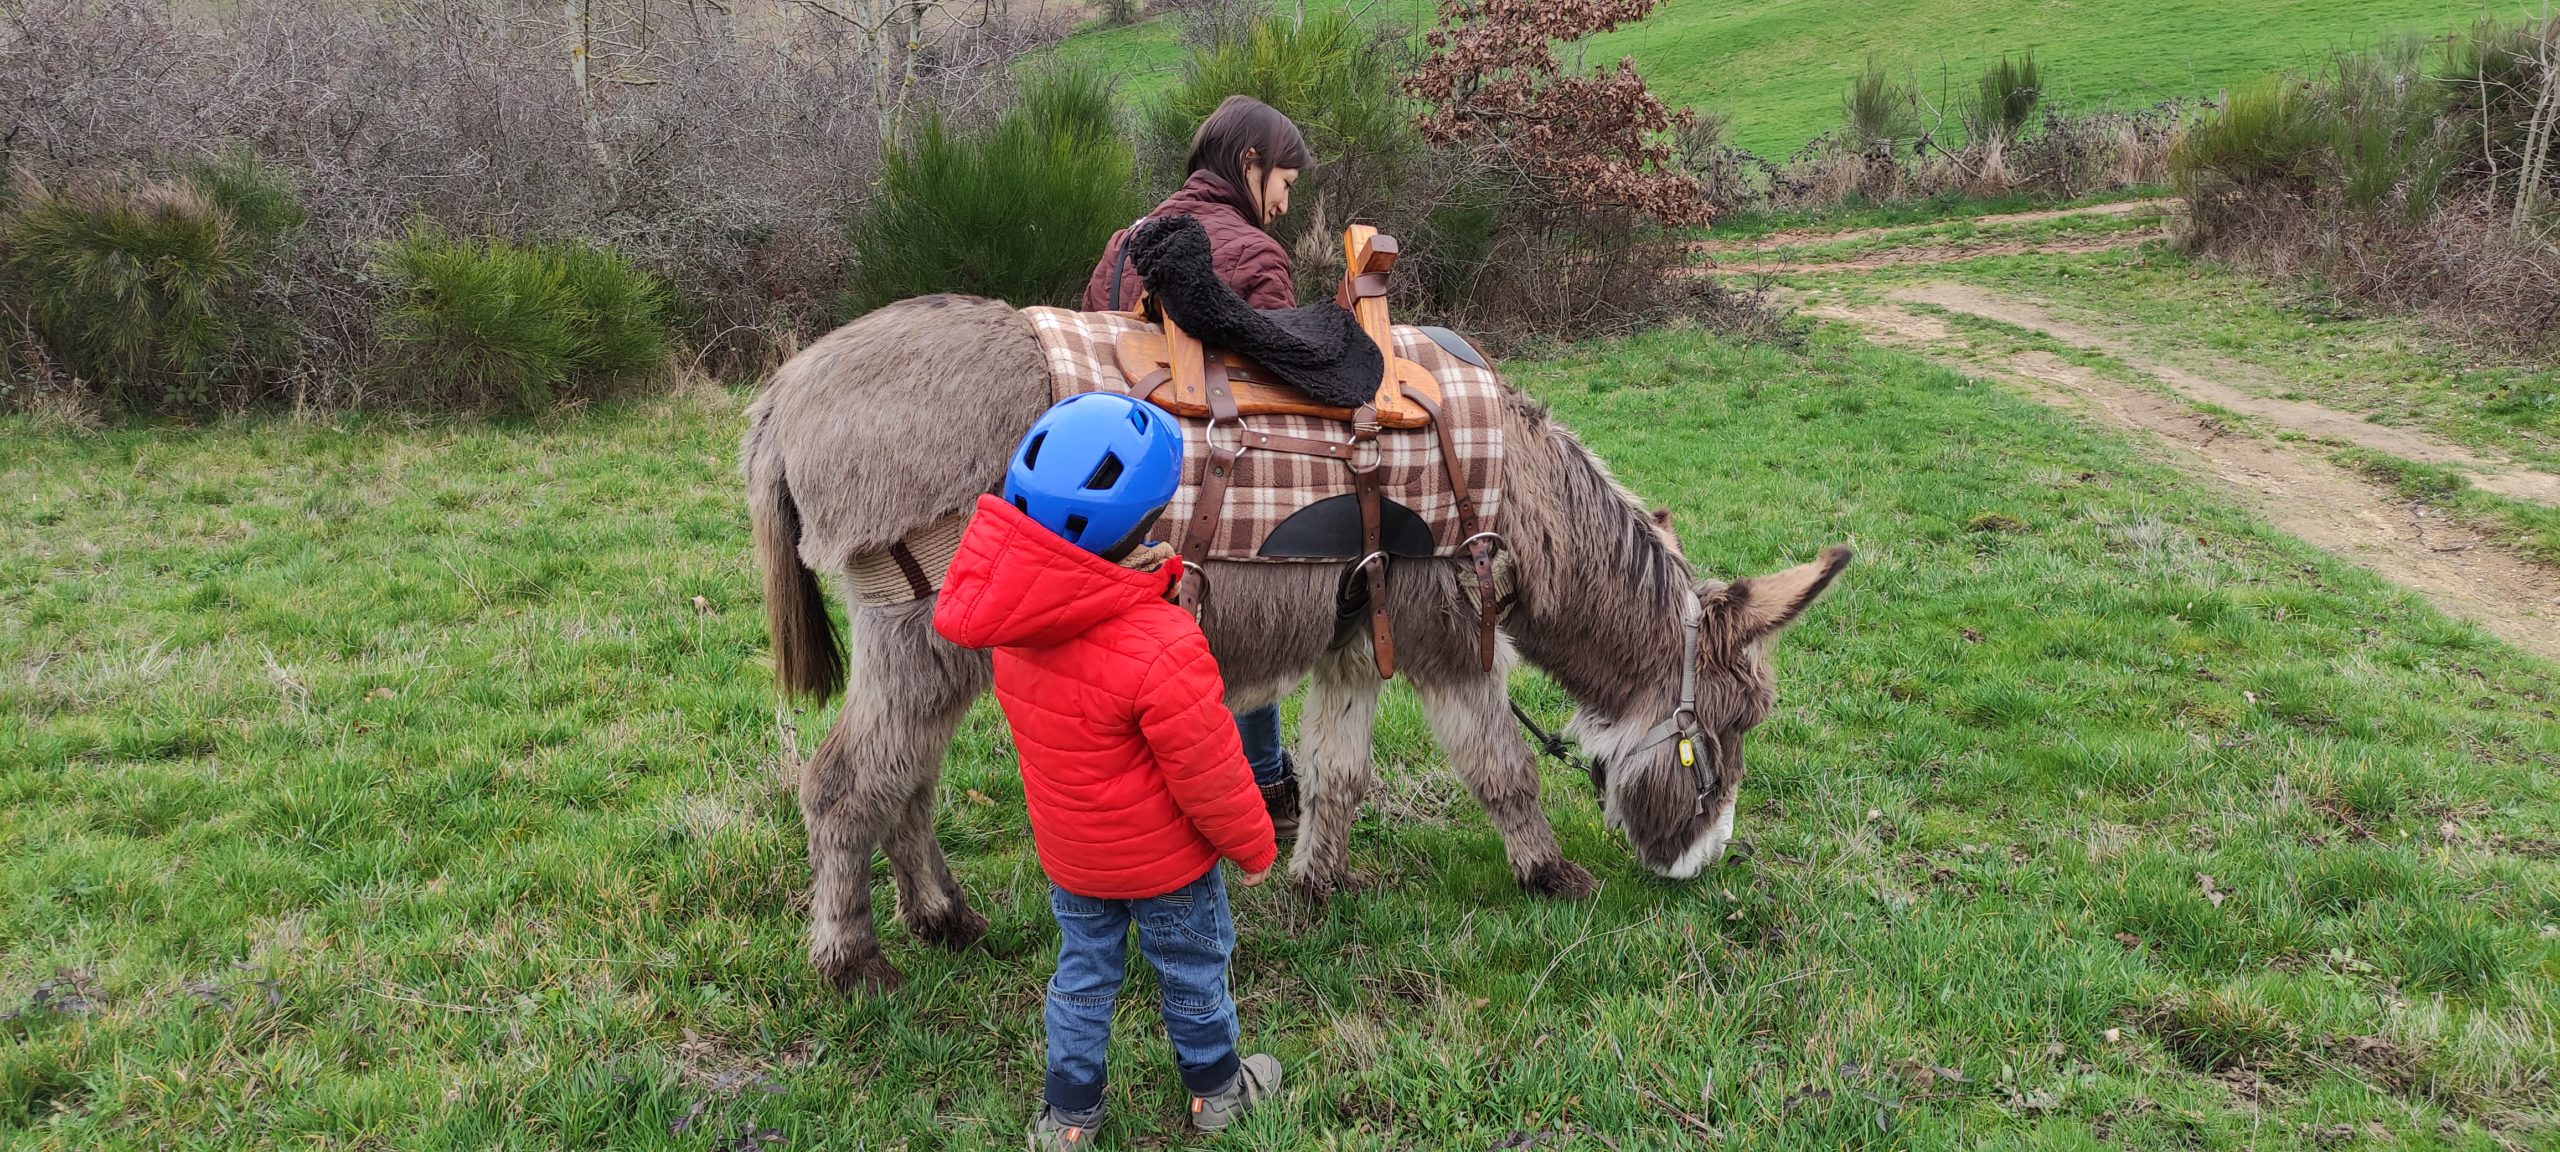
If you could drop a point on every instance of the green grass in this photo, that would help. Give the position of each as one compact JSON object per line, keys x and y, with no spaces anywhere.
{"x":386,"y":786}
{"x":1779,"y":69}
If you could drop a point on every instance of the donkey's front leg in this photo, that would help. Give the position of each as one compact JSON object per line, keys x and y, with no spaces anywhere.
{"x":1334,"y":772}
{"x":1470,"y":716}
{"x":872,"y":784}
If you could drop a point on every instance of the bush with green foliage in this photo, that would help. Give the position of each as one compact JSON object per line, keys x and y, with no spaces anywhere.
{"x":1017,"y":209}
{"x":2394,"y":177}
{"x":2004,"y":100}
{"x":148,"y":292}
{"x":491,"y":320}
{"x":1882,"y":113}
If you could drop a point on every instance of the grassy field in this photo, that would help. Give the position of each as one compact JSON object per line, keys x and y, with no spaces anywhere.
{"x":383,"y":786}
{"x":1778,"y":69}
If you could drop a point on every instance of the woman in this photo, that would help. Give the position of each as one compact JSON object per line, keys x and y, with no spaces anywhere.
{"x":1244,"y":159}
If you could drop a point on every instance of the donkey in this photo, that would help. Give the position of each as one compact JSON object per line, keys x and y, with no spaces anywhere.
{"x":909,"y":413}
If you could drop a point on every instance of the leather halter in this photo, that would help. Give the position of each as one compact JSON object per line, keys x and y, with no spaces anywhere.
{"x":1682,"y":724}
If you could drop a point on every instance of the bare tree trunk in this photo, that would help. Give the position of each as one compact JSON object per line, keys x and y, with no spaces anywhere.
{"x":581,"y":17}
{"x":2538,"y":131}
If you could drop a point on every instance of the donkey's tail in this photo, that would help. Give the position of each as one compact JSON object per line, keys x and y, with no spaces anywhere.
{"x":808,"y":656}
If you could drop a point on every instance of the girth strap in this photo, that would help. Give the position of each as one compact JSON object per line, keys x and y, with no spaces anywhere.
{"x":1480,"y":544}
{"x":1373,"y":557}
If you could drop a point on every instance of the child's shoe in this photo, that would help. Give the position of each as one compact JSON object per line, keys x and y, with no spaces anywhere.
{"x":1057,"y":1131}
{"x":1257,"y":1077}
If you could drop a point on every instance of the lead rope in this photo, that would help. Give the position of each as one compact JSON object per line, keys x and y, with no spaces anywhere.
{"x":1554,"y":746}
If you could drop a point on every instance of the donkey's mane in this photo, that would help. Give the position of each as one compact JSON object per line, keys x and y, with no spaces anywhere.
{"x":1624,"y":536}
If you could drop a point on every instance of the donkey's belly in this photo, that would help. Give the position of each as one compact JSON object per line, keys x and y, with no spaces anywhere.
{"x":1267,"y":624}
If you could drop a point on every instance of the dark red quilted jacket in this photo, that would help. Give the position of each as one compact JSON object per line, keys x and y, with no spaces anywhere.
{"x":1136,"y":779}
{"x":1246,"y":257}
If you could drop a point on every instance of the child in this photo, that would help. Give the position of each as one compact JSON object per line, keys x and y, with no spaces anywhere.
{"x":1136,"y":780}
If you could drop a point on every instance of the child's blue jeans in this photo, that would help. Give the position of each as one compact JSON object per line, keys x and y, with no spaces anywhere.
{"x":1187,"y":936}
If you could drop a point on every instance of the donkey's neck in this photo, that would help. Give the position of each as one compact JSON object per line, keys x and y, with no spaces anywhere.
{"x":1601,"y":589}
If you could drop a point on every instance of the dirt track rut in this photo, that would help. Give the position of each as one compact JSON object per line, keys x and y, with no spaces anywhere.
{"x":2297,"y":490}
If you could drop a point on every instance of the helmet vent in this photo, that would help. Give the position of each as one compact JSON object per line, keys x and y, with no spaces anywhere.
{"x":1106,"y":474}
{"x":1075,"y":527}
{"x":1031,"y":451}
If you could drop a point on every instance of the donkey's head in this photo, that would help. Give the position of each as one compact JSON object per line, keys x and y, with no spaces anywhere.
{"x":1669,"y":773}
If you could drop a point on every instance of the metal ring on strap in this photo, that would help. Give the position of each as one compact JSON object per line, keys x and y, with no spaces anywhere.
{"x":1209,"y":435}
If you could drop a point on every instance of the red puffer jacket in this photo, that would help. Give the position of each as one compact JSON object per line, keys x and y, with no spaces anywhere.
{"x":1246,"y":257}
{"x":1135,"y":776}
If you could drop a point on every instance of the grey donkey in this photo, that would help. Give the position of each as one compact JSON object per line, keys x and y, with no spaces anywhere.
{"x":906,"y":415}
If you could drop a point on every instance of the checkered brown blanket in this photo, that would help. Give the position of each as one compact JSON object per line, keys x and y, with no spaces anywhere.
{"x":1269,"y":486}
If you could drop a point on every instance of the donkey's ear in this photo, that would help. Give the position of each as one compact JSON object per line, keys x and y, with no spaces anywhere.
{"x":1662,"y":524}
{"x":1759,"y":605}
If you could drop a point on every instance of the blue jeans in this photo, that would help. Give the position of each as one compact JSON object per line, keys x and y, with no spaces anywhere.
{"x":1260,"y":729}
{"x":1187,"y":936}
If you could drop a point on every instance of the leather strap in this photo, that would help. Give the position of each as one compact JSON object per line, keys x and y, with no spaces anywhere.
{"x":1355,"y":288}
{"x":1212,"y":505}
{"x":1373,"y":558}
{"x":1479,"y":543}
{"x":1145,"y":388}
{"x":1205,"y":515}
{"x":1298,"y":445}
{"x":1222,"y":397}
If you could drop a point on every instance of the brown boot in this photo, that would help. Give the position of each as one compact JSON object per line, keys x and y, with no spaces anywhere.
{"x":1282,"y":799}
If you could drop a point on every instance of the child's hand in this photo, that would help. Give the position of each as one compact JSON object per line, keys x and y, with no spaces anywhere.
{"x":1250,"y":879}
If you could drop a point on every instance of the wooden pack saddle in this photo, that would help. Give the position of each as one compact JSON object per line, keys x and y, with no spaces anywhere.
{"x":1178,"y":373}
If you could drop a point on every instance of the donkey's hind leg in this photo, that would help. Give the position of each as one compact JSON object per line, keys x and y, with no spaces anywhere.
{"x":1334,"y":725}
{"x":873,"y":782}
{"x":1469,"y":711}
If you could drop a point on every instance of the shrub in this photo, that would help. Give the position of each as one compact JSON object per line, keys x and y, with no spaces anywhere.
{"x":720,"y":146}
{"x":2388,"y":182}
{"x":1018,"y":209}
{"x":2268,"y":134}
{"x":2004,"y":101}
{"x":496,"y":321}
{"x":148,"y":291}
{"x":1880,"y":112}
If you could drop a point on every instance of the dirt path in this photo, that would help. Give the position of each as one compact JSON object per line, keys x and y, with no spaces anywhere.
{"x":1933,"y":254}
{"x":1792,"y":237}
{"x":2297,"y":491}
{"x":2493,"y":474}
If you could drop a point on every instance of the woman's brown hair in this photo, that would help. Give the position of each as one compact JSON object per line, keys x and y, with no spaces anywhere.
{"x":1241,"y":123}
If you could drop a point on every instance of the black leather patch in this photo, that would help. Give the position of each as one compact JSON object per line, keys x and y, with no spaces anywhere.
{"x":1330,"y":529}
{"x":1456,"y":345}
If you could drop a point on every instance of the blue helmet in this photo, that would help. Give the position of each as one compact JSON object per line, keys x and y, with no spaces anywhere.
{"x":1095,"y":468}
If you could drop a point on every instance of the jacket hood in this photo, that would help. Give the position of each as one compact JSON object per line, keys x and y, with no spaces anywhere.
{"x":1015,"y":584}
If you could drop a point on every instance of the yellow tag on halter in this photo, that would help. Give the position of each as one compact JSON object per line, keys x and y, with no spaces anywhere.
{"x":1688,"y":753}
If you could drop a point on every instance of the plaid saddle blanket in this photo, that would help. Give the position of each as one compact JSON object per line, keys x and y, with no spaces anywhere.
{"x":1269,"y":486}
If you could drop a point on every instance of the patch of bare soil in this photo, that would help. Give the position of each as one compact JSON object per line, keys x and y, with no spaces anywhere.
{"x":1796,"y":236}
{"x":2323,"y":504}
{"x":2493,"y":474}
{"x":1900,"y":257}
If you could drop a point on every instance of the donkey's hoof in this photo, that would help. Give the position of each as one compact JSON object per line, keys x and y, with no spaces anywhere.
{"x":955,"y":929}
{"x":869,"y":974}
{"x":1562,"y":879}
{"x":1313,"y":891}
